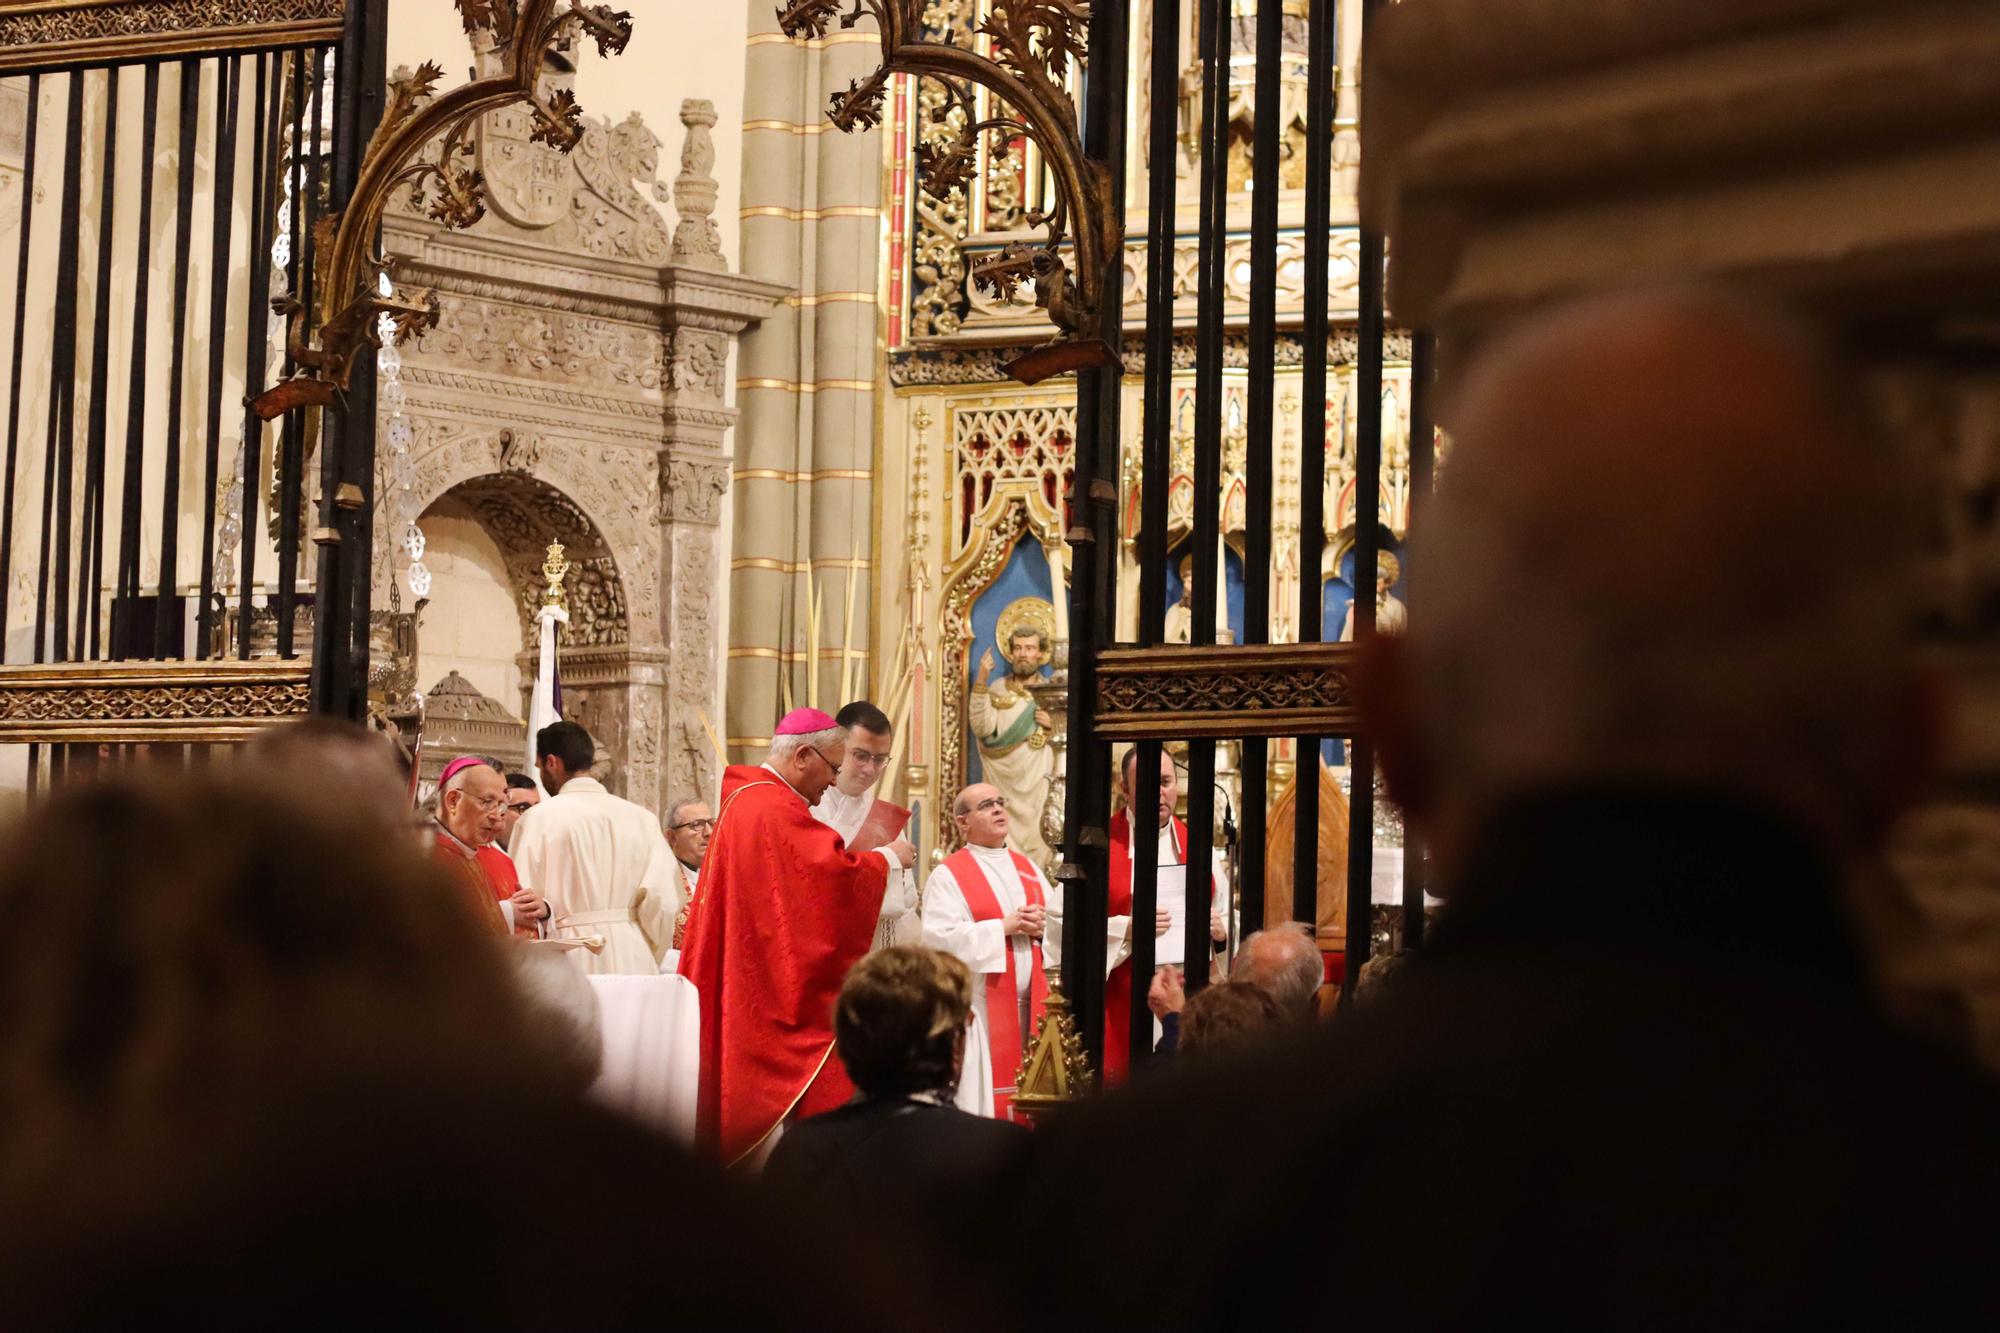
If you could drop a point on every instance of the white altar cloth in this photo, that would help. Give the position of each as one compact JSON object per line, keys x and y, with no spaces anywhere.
{"x":651,"y":1032}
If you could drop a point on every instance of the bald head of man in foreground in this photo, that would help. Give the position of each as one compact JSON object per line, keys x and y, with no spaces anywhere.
{"x":1653,"y":705}
{"x":1667,"y":552}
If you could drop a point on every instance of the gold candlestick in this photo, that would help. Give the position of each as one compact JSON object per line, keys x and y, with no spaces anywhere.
{"x":554,"y":569}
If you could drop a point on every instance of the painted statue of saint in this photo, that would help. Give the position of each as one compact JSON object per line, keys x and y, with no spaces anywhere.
{"x":1013,"y":737}
{"x":1391,"y":617}
{"x":1180,"y":616}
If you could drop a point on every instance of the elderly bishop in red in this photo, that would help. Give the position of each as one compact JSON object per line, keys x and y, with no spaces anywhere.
{"x":782,"y":911}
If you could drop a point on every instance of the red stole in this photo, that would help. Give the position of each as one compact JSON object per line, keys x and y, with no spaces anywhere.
{"x":783,"y":911}
{"x":1118,"y":986}
{"x":1003,"y":989}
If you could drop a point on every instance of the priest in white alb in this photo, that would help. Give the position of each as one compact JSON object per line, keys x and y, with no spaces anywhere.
{"x":990,"y":907}
{"x":850,"y":808}
{"x":601,"y":862}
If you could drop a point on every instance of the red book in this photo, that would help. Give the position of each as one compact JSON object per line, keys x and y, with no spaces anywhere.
{"x":884,"y":824}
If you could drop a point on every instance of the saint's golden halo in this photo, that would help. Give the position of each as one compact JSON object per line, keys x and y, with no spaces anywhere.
{"x":1035,"y":613}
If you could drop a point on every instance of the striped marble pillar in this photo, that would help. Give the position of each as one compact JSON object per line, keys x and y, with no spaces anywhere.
{"x":804,"y":448}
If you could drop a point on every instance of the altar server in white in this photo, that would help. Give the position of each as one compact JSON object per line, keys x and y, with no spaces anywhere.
{"x":989,"y":906}
{"x":600,"y":861}
{"x":849,"y":800}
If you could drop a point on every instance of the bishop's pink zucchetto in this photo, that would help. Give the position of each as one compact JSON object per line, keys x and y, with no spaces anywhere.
{"x":457,"y":766}
{"x":804,"y":722}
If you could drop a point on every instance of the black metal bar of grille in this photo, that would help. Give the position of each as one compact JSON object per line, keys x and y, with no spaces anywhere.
{"x":228,"y":80}
{"x":57,"y":482}
{"x":168,"y":633}
{"x":1156,"y":439}
{"x":1423,"y":452}
{"x":97,"y":291}
{"x":355,"y":123}
{"x":332,"y":621}
{"x":124,"y":626}
{"x":1214,"y":42}
{"x":256,"y":354}
{"x":1156,"y":461}
{"x":14,"y":355}
{"x":1367,"y":521}
{"x":1093,"y":538}
{"x":1217,"y":33}
{"x":1322,"y":45}
{"x":1259,"y":415}
{"x":368,"y":48}
{"x":292,"y":449}
{"x":90,"y":597}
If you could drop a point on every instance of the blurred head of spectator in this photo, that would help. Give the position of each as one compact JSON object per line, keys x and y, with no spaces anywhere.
{"x":1644,"y":572}
{"x":1229,"y":1016}
{"x":1285,"y":962}
{"x":234,"y":933}
{"x":900,"y":1022}
{"x":1378,"y":975}
{"x":350,"y":766}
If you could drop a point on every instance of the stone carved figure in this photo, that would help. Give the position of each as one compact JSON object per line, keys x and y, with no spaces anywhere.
{"x":701,"y":359}
{"x":1011,"y":731}
{"x":613,"y":218}
{"x":520,"y":451}
{"x":693,"y":490}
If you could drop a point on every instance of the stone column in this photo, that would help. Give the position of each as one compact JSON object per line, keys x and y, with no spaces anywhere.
{"x":706,"y":306}
{"x":806,"y":381}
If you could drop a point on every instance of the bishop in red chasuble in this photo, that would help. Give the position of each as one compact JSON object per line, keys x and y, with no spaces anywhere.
{"x":782,"y":911}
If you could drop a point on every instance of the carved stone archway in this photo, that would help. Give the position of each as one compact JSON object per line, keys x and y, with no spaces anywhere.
{"x":611,"y":682}
{"x":527,"y":492}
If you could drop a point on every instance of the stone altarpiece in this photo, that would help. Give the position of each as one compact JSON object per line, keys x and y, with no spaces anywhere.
{"x":574,"y":390}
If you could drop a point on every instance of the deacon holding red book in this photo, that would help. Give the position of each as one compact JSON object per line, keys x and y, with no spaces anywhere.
{"x":782,"y":911}
{"x":850,"y":808}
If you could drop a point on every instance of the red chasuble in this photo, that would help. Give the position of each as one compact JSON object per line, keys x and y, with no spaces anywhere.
{"x":1003,"y":989}
{"x":1118,"y":986}
{"x":783,"y":910}
{"x":469,"y":873}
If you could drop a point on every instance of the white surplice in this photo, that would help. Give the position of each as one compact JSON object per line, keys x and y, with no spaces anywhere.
{"x":898,"y":922}
{"x":948,"y":925}
{"x":1170,"y":855}
{"x":604,"y":866}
